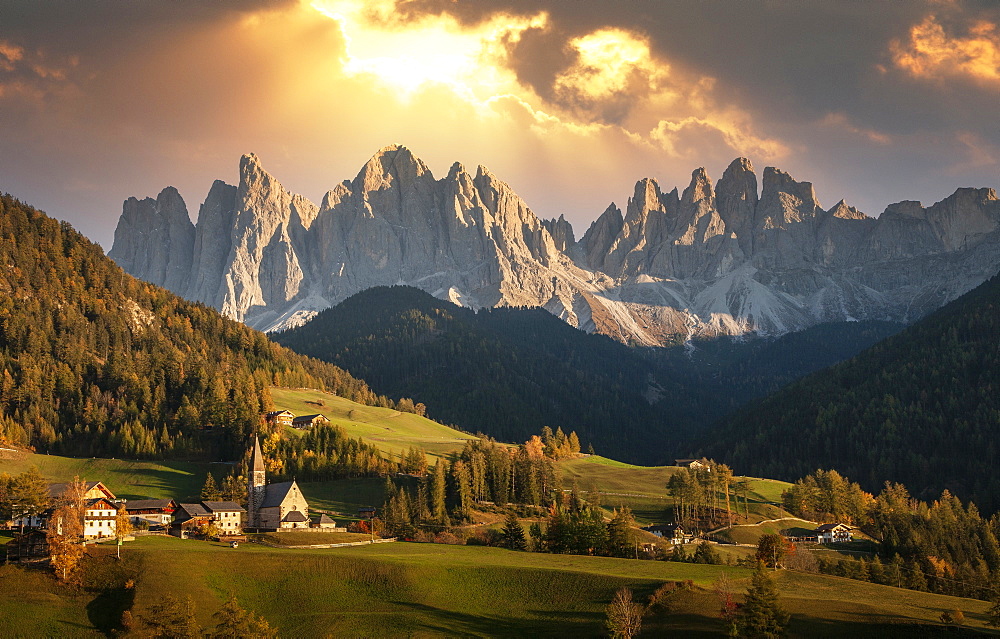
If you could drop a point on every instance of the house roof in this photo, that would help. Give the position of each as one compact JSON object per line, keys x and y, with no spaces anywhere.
{"x":274,"y":494}
{"x":194,"y":510}
{"x":325,"y":519}
{"x":58,"y":490}
{"x":275,"y":413}
{"x":309,"y":418}
{"x":150,"y":504}
{"x":257,"y":459}
{"x":664,"y":528}
{"x":222,"y":506}
{"x":829,"y":527}
{"x":295,"y":517}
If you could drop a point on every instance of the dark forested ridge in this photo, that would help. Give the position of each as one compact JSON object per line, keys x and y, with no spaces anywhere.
{"x":921,"y":408}
{"x":95,"y":362}
{"x":508,"y":372}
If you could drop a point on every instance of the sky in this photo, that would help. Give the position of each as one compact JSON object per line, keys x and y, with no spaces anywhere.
{"x":568,"y":101}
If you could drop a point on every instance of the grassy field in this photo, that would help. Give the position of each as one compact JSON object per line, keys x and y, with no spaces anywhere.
{"x":749,"y":534}
{"x":644,"y":488}
{"x":426,"y":590}
{"x":128,"y":479}
{"x":391,"y":431}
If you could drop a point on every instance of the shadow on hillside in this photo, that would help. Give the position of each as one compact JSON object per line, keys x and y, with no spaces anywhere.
{"x":802,"y":626}
{"x":550,"y":623}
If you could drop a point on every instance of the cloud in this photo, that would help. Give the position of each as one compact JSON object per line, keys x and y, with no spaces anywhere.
{"x":932,"y":52}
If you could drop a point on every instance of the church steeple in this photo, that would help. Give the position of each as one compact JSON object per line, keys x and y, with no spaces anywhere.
{"x":256,"y":484}
{"x":257,"y":459}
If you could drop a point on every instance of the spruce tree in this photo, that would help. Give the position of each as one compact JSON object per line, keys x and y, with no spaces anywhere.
{"x":761,"y":616}
{"x":512,"y":536}
{"x":209,"y":492}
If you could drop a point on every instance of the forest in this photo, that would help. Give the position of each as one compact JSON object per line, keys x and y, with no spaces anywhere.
{"x":941,"y":546}
{"x":95,"y":362}
{"x":507,"y":372}
{"x":920,"y":408}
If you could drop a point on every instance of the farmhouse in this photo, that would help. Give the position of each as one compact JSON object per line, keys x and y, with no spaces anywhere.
{"x":693,"y":464}
{"x":308,"y":421}
{"x":669,"y":532}
{"x":156,"y":512}
{"x":831,"y":533}
{"x":279,"y":417}
{"x":99,"y":518}
{"x":273,"y":506}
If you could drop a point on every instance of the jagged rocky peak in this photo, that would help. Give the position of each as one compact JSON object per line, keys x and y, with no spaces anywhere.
{"x":393,"y":165}
{"x":842,"y":211}
{"x":736,"y":195}
{"x":154,"y":239}
{"x":783,"y":200}
{"x":561,"y":231}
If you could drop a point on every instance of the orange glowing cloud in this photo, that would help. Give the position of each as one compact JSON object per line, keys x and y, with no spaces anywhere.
{"x":933,"y":53}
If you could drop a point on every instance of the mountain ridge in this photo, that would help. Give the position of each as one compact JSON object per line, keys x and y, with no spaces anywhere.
{"x":710,"y":260}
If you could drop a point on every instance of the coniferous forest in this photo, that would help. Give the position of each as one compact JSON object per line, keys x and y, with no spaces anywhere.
{"x":921,"y":408}
{"x":95,"y":362}
{"x":508,"y":372}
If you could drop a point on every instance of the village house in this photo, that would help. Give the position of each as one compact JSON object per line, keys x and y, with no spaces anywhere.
{"x":228,"y":516}
{"x":155,"y":512}
{"x":693,"y":464}
{"x":99,"y":518}
{"x":190,"y":517}
{"x":832,"y":533}
{"x":279,"y":418}
{"x":308,"y":421}
{"x":273,"y":506}
{"x":672,"y":533}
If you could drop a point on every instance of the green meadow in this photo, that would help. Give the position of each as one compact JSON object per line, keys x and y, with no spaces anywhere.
{"x":391,"y":431}
{"x":430,"y":590}
{"x":128,"y":479}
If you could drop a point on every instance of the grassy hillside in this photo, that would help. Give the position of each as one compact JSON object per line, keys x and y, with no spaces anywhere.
{"x":429,"y":590}
{"x":644,"y":488}
{"x":390,"y":430}
{"x":128,"y":479}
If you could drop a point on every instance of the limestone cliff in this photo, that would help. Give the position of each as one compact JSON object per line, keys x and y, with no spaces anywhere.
{"x":704,"y":261}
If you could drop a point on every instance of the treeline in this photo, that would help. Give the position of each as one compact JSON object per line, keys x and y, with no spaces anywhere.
{"x":920,"y":407}
{"x":941,"y":546}
{"x":484,"y":472}
{"x":95,"y":362}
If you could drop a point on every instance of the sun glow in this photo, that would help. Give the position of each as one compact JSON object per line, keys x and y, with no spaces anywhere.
{"x":430,"y":51}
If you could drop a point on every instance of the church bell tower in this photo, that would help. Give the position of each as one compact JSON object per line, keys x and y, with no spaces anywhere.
{"x":255,"y":485}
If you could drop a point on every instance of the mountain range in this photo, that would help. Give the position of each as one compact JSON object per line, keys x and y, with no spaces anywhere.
{"x":722,"y":259}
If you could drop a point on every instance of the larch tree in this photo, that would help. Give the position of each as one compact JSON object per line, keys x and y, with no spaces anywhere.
{"x":65,"y":530}
{"x":624,"y":616}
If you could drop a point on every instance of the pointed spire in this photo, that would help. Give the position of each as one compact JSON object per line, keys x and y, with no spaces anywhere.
{"x":257,"y":459}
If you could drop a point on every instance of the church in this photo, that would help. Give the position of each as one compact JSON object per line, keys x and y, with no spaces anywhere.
{"x":273,"y":506}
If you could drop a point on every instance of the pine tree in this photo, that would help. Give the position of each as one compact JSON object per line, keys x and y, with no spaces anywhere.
{"x":210,"y":492}
{"x":512,"y":535}
{"x":761,"y":616}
